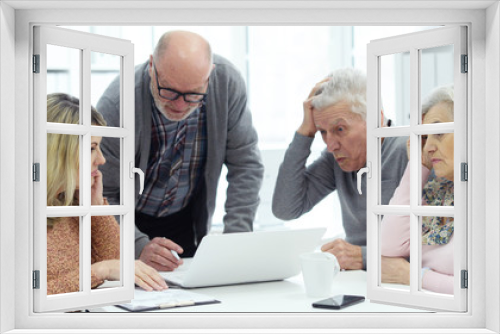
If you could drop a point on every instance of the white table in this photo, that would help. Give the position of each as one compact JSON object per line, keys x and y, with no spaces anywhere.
{"x":279,"y":296}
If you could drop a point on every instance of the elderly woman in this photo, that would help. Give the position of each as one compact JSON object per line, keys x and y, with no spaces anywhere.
{"x":437,"y":232}
{"x":63,"y":270}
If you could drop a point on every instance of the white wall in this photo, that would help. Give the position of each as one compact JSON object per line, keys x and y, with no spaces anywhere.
{"x":7,"y":158}
{"x":492,"y":153}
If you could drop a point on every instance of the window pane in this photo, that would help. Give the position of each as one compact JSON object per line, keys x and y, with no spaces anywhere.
{"x":110,"y":164}
{"x":395,"y":88}
{"x":437,"y":254}
{"x":63,"y":180}
{"x":395,"y":252}
{"x":391,"y":173}
{"x":63,"y":76}
{"x":63,"y":255}
{"x":105,"y":68}
{"x":436,"y":71}
{"x":105,"y":252}
{"x":437,"y":177}
{"x":97,"y":160}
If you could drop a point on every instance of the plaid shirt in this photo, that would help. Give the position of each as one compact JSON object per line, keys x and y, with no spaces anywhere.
{"x":175,"y":165}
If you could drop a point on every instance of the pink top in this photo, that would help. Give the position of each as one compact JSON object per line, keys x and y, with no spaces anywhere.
{"x":396,"y":241}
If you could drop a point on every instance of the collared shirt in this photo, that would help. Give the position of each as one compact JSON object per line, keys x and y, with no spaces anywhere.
{"x":175,"y":165}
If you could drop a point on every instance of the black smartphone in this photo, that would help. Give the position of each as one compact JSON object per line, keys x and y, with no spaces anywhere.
{"x":339,"y":301}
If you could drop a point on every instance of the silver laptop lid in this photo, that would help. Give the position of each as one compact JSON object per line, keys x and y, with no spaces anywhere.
{"x":235,"y":258}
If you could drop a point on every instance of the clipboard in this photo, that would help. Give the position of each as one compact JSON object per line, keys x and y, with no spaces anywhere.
{"x":162,"y":300}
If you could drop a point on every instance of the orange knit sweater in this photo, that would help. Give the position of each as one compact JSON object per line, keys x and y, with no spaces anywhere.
{"x":63,"y":251}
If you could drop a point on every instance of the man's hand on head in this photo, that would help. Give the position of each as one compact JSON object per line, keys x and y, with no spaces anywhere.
{"x":349,"y":256}
{"x":158,"y":254}
{"x":308,"y":128}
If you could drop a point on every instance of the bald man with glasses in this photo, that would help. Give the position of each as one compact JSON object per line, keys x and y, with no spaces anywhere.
{"x":191,"y":118}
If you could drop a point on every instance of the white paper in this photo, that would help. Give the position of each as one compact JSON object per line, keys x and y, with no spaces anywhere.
{"x":175,"y":297}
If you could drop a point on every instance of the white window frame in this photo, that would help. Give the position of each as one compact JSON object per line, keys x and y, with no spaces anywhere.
{"x":414,"y":43}
{"x":484,"y":103}
{"x":85,"y":43}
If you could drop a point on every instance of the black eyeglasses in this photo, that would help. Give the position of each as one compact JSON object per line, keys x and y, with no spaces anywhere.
{"x":172,"y":95}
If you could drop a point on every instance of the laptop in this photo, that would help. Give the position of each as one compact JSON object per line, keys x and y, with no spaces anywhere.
{"x":237,"y":258}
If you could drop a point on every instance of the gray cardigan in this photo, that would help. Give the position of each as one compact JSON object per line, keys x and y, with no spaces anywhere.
{"x":232,"y":140}
{"x":299,"y":188}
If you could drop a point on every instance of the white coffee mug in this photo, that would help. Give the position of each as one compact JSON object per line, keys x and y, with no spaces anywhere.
{"x":318,"y":271}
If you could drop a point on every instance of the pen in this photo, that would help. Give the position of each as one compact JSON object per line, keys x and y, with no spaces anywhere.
{"x":174,"y":253}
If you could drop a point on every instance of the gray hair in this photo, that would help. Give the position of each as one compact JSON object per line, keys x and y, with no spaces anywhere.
{"x":345,"y":85}
{"x":443,"y":94}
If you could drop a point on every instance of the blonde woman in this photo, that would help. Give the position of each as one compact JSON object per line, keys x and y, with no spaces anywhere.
{"x":63,"y":272}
